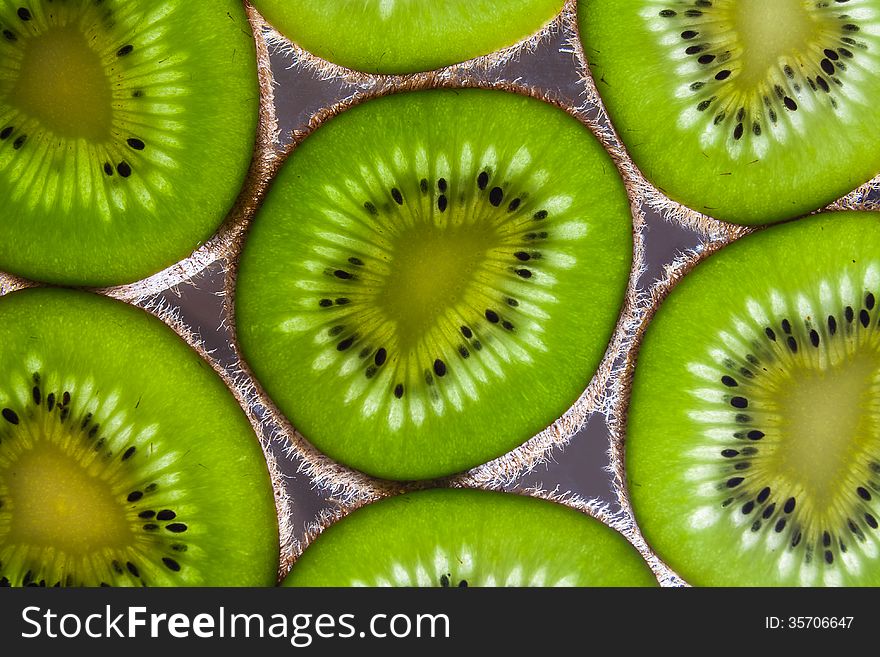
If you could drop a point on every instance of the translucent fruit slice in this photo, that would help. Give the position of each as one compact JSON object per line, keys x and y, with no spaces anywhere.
{"x":434,"y":277}
{"x":126,"y":132}
{"x":452,"y":538}
{"x":406,"y":36}
{"x":753,"y":445}
{"x":124,"y":460}
{"x":746,"y":110}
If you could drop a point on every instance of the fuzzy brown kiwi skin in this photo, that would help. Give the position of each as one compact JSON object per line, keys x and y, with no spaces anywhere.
{"x":351,"y":485}
{"x":617,"y":421}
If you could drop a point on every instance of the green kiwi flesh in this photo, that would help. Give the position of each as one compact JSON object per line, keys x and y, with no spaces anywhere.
{"x":434,"y":277}
{"x":126,"y":133}
{"x":753,"y":441}
{"x":124,"y":460}
{"x":459,"y":538}
{"x":406,"y":36}
{"x":746,"y":110}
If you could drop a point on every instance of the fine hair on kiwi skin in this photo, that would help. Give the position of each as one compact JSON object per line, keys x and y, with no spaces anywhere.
{"x":656,"y":293}
{"x":592,"y":508}
{"x":480,"y":65}
{"x":44,"y":20}
{"x":810,"y":81}
{"x":351,"y":484}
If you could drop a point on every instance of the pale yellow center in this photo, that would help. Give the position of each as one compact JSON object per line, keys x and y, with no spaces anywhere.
{"x":56,"y":504}
{"x":431,"y":274}
{"x":829,"y":416}
{"x":770,"y":30}
{"x":63,"y":84}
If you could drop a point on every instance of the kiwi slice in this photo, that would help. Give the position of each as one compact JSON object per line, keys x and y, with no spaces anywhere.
{"x":746,"y":110}
{"x":458,"y":538}
{"x":753,"y":449}
{"x":406,"y":36}
{"x":433,"y":278}
{"x":126,"y":132}
{"x":124,"y":460}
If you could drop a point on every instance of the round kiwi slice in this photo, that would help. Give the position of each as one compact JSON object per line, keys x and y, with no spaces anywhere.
{"x":406,"y":36}
{"x":433,"y":278}
{"x":126,"y":132}
{"x":746,"y":110}
{"x":458,"y":538}
{"x":753,"y":447}
{"x":124,"y":460}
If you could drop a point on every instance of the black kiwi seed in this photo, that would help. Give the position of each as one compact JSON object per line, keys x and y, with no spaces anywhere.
{"x":466,"y":332}
{"x":730,"y":382}
{"x":10,"y":416}
{"x":124,"y":50}
{"x":136,"y":144}
{"x":6,"y":132}
{"x":371,"y":208}
{"x":496,"y":196}
{"x":439,"y":367}
{"x":492,"y":316}
{"x":146,"y":515}
{"x":24,"y":14}
{"x":397,"y":196}
{"x":789,"y":505}
{"x":483,"y":180}
{"x":171,"y":564}
{"x":380,"y":357}
{"x":176,"y":527}
{"x":165,"y":515}
{"x":134,"y":496}
{"x":132,"y":569}
{"x":108,"y":169}
{"x":770,"y":333}
{"x":442,"y":203}
{"x":129,"y":453}
{"x":19,"y":142}
{"x":123,"y":169}
{"x":398,"y":390}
